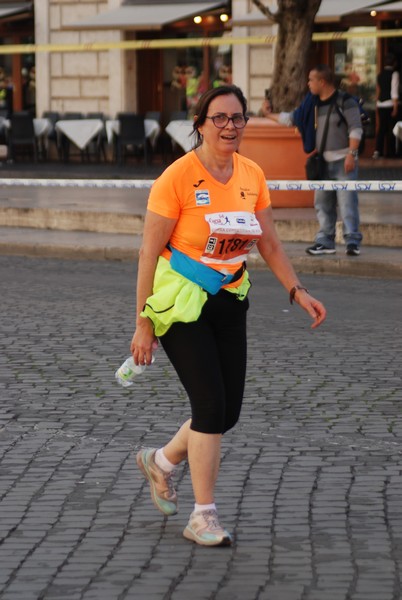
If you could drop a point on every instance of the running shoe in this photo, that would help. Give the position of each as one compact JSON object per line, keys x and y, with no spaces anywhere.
{"x":162,"y":490}
{"x":204,"y":529}
{"x":352,"y":250}
{"x":320,"y":249}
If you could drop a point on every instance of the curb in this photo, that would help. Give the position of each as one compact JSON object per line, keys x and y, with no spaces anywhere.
{"x":385,"y":266}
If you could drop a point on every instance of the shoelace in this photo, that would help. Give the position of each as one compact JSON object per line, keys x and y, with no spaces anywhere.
{"x":211,"y":519}
{"x":169,"y":483}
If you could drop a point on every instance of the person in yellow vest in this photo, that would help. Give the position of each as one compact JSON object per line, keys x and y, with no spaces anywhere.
{"x":6,"y":95}
{"x":192,"y":95}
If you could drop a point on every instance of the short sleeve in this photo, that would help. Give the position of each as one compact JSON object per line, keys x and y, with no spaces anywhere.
{"x":163,"y":198}
{"x":263,"y":199}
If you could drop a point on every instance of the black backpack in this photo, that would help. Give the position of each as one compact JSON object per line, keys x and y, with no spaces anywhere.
{"x":364,"y":118}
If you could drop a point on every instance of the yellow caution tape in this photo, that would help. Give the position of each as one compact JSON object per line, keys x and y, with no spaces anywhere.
{"x":189,"y":42}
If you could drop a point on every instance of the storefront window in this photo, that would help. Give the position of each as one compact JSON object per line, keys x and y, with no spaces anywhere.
{"x":186,"y":77}
{"x":10,"y":79}
{"x":355,"y":65}
{"x":6,"y":83}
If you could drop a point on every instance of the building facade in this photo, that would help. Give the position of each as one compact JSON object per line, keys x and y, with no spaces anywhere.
{"x":169,"y":78}
{"x":77,"y":81}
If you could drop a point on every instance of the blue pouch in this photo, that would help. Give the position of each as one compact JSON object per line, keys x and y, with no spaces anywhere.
{"x":206,"y":277}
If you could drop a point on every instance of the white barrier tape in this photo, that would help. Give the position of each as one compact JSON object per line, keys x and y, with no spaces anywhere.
{"x":358,"y":186}
{"x":79,"y":183}
{"x":283,"y":185}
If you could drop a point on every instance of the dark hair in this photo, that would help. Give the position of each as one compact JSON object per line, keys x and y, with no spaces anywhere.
{"x":325,"y":73}
{"x":203,"y":103}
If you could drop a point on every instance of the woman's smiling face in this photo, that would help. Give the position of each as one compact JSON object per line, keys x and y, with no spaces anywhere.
{"x":229,"y":137}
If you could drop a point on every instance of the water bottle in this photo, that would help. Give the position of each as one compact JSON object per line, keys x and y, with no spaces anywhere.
{"x":126,"y":374}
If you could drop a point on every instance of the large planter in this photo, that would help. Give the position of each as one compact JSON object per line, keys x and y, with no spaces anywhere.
{"x":279,"y":152}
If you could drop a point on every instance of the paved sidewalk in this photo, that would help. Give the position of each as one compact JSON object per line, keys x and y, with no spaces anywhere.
{"x":107,"y":224}
{"x":311,"y":478}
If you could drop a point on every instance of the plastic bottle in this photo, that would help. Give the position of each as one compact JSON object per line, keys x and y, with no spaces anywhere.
{"x":126,"y":374}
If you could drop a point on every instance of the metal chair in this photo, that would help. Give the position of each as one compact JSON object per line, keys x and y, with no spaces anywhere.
{"x":98,"y":145}
{"x":22,"y":134}
{"x":132,"y":133}
{"x":72,"y":116}
{"x":52,"y":137}
{"x":155,"y":115}
{"x":178,"y":115}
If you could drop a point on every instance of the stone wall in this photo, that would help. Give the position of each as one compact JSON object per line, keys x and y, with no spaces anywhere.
{"x":77,"y":81}
{"x":252,"y":65}
{"x":105,"y":81}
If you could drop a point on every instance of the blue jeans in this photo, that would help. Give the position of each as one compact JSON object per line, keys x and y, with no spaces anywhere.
{"x":327,"y":205}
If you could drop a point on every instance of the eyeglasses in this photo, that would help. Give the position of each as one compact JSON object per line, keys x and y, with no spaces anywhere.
{"x":221,"y":121}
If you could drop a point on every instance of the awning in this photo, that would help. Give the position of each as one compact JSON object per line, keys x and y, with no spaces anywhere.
{"x":329,"y":10}
{"x":144,"y":16}
{"x":338,"y":8}
{"x":393,"y":7}
{"x":14,"y":8}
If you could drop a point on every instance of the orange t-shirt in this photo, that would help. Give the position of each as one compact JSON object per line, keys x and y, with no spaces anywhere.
{"x":216,"y":223}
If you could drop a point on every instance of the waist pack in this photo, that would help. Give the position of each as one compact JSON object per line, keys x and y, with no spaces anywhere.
{"x":206,"y":277}
{"x":315,"y":167}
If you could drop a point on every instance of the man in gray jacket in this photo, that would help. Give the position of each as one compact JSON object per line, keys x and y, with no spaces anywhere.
{"x":341,"y":161}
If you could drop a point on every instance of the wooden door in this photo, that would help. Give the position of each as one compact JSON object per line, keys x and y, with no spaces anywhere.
{"x":150,"y":87}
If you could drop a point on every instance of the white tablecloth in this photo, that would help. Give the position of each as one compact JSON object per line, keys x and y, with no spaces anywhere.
{"x":80,"y":131}
{"x":181,"y":133}
{"x":397,"y":130}
{"x":152,"y":130}
{"x":42,"y":127}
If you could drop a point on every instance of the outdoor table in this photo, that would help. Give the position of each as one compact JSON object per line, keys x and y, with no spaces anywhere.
{"x":79,"y":131}
{"x":181,"y":133}
{"x":397,"y":131}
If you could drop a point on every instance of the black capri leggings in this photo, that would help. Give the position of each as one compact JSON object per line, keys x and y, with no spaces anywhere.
{"x":210,"y":356}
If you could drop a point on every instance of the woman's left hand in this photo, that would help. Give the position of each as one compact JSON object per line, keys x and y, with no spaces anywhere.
{"x":312,"y":306}
{"x":144,"y":342}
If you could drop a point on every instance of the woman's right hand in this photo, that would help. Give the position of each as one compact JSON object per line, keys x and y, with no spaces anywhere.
{"x":144,"y":342}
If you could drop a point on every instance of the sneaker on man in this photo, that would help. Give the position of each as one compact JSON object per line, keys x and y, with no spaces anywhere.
{"x":320,"y":249}
{"x":204,"y":529}
{"x":376,"y":155}
{"x":352,"y":250}
{"x":162,"y":490}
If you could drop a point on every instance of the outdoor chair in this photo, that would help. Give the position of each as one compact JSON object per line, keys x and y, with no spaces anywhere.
{"x":98,"y":145}
{"x":52,"y":137}
{"x":22,"y":135}
{"x":155,"y":115}
{"x":132,"y":134}
{"x":178,"y":115}
{"x":72,"y":116}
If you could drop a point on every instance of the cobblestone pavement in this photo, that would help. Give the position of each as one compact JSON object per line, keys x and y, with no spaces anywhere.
{"x":311,"y":478}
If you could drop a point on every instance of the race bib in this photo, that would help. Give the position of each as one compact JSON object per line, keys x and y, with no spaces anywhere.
{"x":232,"y":236}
